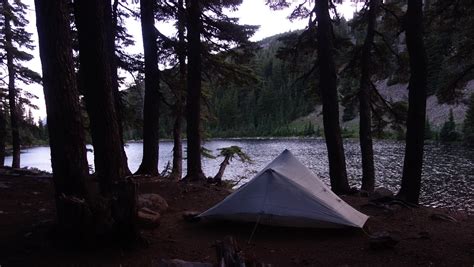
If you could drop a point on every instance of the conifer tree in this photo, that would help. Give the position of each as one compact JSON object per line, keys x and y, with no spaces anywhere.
{"x":448,"y":131}
{"x":151,"y":109}
{"x":468,"y":129}
{"x":15,"y":45}
{"x":413,"y":161}
{"x":365,"y":126}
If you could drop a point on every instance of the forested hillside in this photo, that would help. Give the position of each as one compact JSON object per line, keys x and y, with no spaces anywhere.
{"x":280,"y":97}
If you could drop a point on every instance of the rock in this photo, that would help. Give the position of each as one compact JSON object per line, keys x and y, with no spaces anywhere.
{"x":148,"y":218}
{"x":191,"y":216}
{"x":181,"y":263}
{"x":380,"y":193}
{"x":383,"y":240}
{"x":152,"y":201}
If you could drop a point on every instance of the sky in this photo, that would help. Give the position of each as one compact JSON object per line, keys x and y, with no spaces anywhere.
{"x":252,"y":12}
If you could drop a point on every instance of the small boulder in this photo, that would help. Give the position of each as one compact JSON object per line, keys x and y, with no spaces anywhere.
{"x":148,"y":218}
{"x":152,"y":201}
{"x":383,"y":240}
{"x":380,"y":193}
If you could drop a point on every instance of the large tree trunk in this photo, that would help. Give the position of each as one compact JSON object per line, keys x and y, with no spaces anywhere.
{"x":193,"y":99}
{"x":3,"y":134}
{"x":98,"y":91}
{"x":66,"y":132}
{"x":328,"y":87}
{"x":151,"y":110}
{"x":100,"y":103}
{"x":413,"y":163}
{"x":12,"y":93}
{"x":365,"y":130}
{"x":177,"y":171}
{"x":112,"y":18}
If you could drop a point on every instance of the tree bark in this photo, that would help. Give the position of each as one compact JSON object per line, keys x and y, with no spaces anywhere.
{"x":365,"y":125}
{"x":12,"y":92}
{"x":177,"y":171}
{"x":413,"y":162}
{"x":328,"y":87}
{"x":98,"y":92}
{"x":66,"y":133}
{"x":193,"y":99}
{"x":151,"y":109}
{"x":220,"y":173}
{"x":112,"y":18}
{"x":100,"y":103}
{"x":3,"y":134}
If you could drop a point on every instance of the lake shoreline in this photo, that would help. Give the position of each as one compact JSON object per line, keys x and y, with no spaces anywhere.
{"x":447,"y":170}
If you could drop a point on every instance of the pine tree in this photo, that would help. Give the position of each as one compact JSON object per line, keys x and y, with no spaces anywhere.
{"x":448,"y":132}
{"x":428,"y":131}
{"x":210,"y":27}
{"x":67,"y":140}
{"x":96,"y":70}
{"x":15,"y":45}
{"x":365,"y":126}
{"x":468,"y":129}
{"x":413,"y":161}
{"x":329,"y":97}
{"x":151,"y":109}
{"x":3,"y":134}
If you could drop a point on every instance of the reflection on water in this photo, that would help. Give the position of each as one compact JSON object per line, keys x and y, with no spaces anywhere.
{"x":448,"y":173}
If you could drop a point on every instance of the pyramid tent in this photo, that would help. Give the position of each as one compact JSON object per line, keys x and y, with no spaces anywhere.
{"x":286,"y":193}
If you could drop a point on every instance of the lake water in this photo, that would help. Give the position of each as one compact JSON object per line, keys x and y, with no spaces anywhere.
{"x":448,"y":173}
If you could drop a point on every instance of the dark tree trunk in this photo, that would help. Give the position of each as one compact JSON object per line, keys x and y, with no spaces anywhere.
{"x":112,"y":18}
{"x":100,"y":103}
{"x":193,"y":99}
{"x":3,"y":135}
{"x":412,"y":166}
{"x":66,"y":133}
{"x":220,"y":173}
{"x":98,"y":92}
{"x":329,"y":97}
{"x":12,"y":94}
{"x":177,"y":171}
{"x":151,"y":110}
{"x":365,"y":130}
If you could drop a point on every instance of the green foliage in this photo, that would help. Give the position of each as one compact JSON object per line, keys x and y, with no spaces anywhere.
{"x":429,"y":134}
{"x":265,"y":107}
{"x":207,"y":153}
{"x":468,"y":129}
{"x":234,"y":151}
{"x":448,"y":132}
{"x":450,"y":47}
{"x":349,"y":133}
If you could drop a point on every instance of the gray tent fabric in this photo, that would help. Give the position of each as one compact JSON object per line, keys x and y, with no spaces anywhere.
{"x":286,"y":193}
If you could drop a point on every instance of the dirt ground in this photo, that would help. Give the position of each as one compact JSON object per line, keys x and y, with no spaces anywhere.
{"x":27,"y":215}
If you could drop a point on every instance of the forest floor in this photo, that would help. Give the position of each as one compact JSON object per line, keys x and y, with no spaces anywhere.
{"x":27,"y":215}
